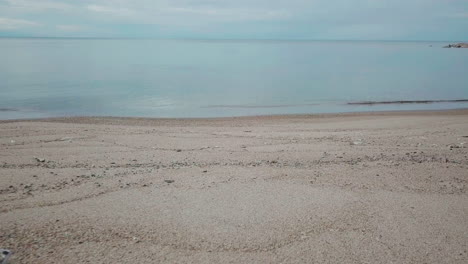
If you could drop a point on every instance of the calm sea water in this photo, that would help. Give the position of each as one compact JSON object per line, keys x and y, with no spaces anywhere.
{"x":190,"y":78}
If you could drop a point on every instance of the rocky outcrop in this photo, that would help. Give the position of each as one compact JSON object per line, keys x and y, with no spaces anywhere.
{"x":458,"y":45}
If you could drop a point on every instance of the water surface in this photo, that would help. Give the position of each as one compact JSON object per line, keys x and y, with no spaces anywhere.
{"x":195,"y":78}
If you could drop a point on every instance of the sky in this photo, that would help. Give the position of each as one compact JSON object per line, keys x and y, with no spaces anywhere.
{"x":438,"y":20}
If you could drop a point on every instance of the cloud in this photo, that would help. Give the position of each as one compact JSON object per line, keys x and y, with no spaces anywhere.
{"x":230,"y":14}
{"x":38,"y":5}
{"x":12,"y":24}
{"x":173,"y":14}
{"x":70,"y":28}
{"x":306,"y":19}
{"x":116,"y":11}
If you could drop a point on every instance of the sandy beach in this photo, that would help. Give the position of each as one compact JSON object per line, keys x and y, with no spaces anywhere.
{"x":339,"y":188}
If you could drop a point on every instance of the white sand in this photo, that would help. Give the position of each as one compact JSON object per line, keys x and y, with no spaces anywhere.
{"x":351,"y":188}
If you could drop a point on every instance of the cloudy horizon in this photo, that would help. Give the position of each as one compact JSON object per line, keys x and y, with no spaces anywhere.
{"x":435,"y":20}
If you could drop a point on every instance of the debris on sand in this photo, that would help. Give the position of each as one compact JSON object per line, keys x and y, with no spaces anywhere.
{"x":169,"y":181}
{"x":357,"y":142}
{"x":40,"y":159}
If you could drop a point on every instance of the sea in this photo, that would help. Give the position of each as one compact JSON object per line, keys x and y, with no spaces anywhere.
{"x":54,"y":77}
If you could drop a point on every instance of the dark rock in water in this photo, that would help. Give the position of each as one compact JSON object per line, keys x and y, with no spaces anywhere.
{"x":458,"y":45}
{"x":8,"y":110}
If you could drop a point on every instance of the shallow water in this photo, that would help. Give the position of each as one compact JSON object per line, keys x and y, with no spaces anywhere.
{"x":195,"y":78}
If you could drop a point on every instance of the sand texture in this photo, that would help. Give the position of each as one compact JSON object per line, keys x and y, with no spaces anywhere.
{"x":348,"y":188}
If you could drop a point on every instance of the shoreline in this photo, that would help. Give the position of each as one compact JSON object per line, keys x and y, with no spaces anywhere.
{"x":130,"y":119}
{"x":252,"y":110}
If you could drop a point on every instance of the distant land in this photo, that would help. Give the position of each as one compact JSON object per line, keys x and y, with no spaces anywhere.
{"x":458,"y":45}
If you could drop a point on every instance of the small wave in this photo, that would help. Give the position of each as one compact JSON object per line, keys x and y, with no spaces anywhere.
{"x":258,"y":106}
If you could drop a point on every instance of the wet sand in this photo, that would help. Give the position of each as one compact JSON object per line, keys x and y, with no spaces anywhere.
{"x":340,"y":188}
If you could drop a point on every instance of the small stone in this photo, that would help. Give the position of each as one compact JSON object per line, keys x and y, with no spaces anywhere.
{"x":169,"y":181}
{"x":179,"y":150}
{"x":40,"y":159}
{"x":205,"y":171}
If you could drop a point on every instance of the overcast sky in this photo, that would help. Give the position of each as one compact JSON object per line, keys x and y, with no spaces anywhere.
{"x":245,"y":19}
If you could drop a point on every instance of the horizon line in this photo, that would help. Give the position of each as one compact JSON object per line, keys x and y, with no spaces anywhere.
{"x":220,"y":39}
